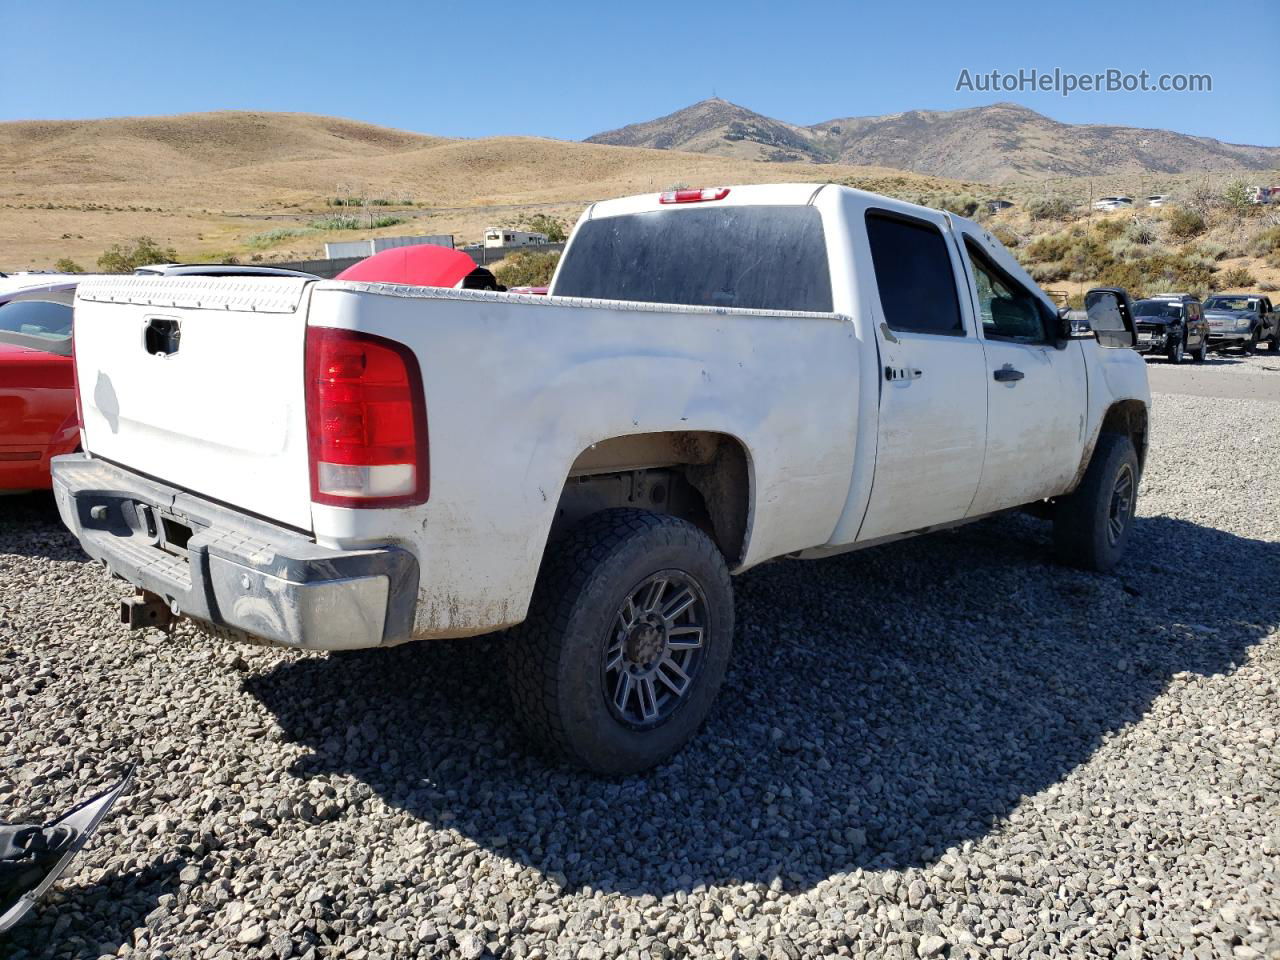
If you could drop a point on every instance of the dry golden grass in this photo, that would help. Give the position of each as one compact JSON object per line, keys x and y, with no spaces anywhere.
{"x":212,"y":181}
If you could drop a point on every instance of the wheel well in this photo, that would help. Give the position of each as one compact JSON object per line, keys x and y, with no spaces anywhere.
{"x":1129,"y":418}
{"x":700,"y":476}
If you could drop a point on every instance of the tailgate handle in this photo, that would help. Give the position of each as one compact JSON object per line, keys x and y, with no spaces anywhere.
{"x":162,"y":336}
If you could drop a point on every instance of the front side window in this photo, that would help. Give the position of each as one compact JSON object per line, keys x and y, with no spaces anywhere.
{"x":914,"y":275}
{"x":1008,"y":310}
{"x":39,"y":324}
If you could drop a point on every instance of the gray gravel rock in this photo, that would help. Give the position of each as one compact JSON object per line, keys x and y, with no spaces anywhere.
{"x":944,"y":747}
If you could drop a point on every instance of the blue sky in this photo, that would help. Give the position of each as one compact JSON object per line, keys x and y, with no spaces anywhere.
{"x":571,"y":69}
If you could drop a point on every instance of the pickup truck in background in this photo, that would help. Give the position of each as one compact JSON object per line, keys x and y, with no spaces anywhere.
{"x":1242,"y":320}
{"x":718,"y":378}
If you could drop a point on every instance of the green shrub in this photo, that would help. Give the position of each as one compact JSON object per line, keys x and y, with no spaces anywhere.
{"x":1049,"y":272}
{"x":1265,"y":242}
{"x":1237,"y":278}
{"x":1006,"y":235}
{"x":1238,"y":195}
{"x":270,"y":238}
{"x":67,"y":265}
{"x":336,"y":223}
{"x":1141,"y":231}
{"x":1054,"y":246}
{"x":1108,"y":228}
{"x":527,"y":269}
{"x":121,"y":258}
{"x":386,"y":222}
{"x":1049,"y":208}
{"x":1185,"y":223}
{"x":1212,"y":250}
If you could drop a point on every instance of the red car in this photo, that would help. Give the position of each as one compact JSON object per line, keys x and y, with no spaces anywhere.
{"x":37,"y":399}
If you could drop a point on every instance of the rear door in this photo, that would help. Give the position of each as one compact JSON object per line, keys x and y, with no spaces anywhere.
{"x":1036,"y":393}
{"x":198,"y":382}
{"x":932,"y":423}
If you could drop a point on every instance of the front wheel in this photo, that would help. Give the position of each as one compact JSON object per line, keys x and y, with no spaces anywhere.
{"x":1251,"y":345}
{"x":1091,"y":526}
{"x":1178,"y":349}
{"x":626,"y":643}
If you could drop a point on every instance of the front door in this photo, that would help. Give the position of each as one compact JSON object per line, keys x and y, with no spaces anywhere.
{"x":1036,"y":392}
{"x":932,"y":423}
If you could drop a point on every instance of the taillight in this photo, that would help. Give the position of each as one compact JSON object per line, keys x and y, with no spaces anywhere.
{"x":366,"y":421}
{"x":694,"y":196}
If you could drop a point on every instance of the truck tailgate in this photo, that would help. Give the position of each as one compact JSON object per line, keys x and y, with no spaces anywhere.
{"x":198,"y":382}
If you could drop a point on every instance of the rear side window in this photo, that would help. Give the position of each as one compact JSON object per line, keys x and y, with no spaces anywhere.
{"x":756,"y":258}
{"x":913,"y":272}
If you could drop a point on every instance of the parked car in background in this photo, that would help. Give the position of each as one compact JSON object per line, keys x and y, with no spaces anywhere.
{"x":37,"y":400}
{"x":1242,"y":320}
{"x":1113,"y":203}
{"x":1158,"y":199}
{"x":720,"y":377}
{"x":1172,"y":324}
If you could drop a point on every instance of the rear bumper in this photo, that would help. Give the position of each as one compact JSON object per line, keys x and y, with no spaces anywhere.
{"x":245,"y":576}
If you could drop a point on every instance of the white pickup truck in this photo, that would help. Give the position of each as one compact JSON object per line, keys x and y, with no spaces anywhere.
{"x":718,"y":378}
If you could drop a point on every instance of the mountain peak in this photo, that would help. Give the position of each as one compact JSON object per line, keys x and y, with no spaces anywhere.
{"x":995,"y":142}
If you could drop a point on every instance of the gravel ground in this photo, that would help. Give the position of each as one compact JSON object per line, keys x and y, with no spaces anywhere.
{"x":1226,"y":374}
{"x":946,"y":747}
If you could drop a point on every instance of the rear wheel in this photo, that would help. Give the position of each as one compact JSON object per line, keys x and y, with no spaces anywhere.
{"x":1091,"y":526}
{"x":1202,"y":351}
{"x":626,"y":643}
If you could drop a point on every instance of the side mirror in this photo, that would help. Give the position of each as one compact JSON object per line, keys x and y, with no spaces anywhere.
{"x":1110,"y":318}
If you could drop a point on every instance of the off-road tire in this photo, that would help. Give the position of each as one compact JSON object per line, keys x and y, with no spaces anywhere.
{"x":1202,"y":352}
{"x":554,"y":660}
{"x":1250,"y":346}
{"x":1175,"y":353}
{"x":1082,"y":520}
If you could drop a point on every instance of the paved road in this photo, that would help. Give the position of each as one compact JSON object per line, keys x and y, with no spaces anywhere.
{"x":1228,"y":376}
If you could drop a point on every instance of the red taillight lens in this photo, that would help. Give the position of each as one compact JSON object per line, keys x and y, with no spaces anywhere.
{"x":366,"y":421}
{"x":694,"y":196}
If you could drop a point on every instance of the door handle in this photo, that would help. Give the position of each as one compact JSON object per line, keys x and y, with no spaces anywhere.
{"x":902,"y":373}
{"x":1007,"y":374}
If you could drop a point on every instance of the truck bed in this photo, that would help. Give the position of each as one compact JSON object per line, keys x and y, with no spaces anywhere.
{"x":517,"y":388}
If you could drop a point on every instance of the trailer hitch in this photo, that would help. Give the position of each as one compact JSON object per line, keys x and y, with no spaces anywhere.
{"x":146,"y":610}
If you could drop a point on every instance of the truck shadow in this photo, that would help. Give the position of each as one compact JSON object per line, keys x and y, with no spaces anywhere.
{"x":30,"y":527}
{"x":881,"y":707}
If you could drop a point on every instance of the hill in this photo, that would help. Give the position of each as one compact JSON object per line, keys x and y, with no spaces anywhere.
{"x":254,"y":183}
{"x":996,"y":143}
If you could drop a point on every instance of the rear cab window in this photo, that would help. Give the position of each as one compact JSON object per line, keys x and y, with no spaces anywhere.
{"x":914,"y":276}
{"x":756,"y":257}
